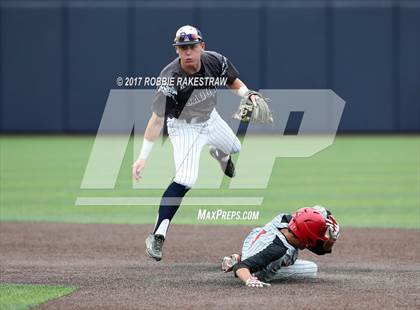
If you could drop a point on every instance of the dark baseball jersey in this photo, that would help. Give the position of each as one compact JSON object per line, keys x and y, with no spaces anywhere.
{"x":179,"y":101}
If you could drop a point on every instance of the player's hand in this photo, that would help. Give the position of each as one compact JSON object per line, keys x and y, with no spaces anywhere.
{"x":137,"y":168}
{"x":328,"y":245}
{"x":333,"y":229}
{"x":253,"y":99}
{"x":254,"y":108}
{"x":254,"y":282}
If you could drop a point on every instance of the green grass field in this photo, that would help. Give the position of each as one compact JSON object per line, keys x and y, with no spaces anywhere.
{"x":24,"y":296}
{"x":365,"y":180}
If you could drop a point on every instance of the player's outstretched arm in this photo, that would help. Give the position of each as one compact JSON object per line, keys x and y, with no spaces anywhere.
{"x":253,"y":107}
{"x":245,"y":275}
{"x":152,"y":132}
{"x":154,"y":126}
{"x":239,"y":88}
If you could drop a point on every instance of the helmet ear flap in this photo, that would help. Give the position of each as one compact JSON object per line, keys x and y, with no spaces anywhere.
{"x":297,"y":229}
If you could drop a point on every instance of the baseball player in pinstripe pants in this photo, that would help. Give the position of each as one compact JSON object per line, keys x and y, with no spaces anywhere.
{"x":270,"y":252}
{"x":192,"y":123}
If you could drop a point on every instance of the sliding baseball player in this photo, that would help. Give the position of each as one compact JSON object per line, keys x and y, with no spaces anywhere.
{"x":270,"y":252}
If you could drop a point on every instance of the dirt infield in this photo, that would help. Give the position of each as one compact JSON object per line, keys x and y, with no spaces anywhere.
{"x":370,"y":268}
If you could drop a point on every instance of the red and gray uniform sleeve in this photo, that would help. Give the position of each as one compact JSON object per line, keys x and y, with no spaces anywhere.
{"x":262,"y":259}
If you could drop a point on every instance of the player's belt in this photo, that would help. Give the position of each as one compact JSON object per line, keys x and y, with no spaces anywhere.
{"x":197,"y":119}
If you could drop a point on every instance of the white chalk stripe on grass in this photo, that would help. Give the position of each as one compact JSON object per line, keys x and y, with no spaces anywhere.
{"x":147,"y":201}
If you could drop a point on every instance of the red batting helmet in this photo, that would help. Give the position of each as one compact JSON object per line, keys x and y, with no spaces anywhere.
{"x":308,"y":225}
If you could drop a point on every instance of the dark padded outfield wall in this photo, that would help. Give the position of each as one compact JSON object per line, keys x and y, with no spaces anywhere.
{"x":97,"y":53}
{"x":59,"y":59}
{"x":409,"y":69}
{"x":31,"y":68}
{"x":363,"y":66}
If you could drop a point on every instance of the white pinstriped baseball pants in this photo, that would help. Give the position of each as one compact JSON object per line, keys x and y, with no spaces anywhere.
{"x":189,"y":139}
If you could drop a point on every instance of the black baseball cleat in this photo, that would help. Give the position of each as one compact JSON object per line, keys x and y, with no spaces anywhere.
{"x":228,"y":167}
{"x":154,"y":244}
